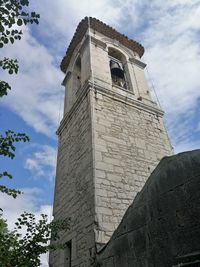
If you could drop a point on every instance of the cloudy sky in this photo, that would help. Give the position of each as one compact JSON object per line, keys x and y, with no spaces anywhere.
{"x":169,"y":31}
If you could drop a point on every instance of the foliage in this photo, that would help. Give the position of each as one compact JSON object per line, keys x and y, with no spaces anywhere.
{"x":13,"y":15}
{"x":7,"y":149}
{"x":9,"y":64}
{"x":21,"y":250}
{"x":12,"y":67}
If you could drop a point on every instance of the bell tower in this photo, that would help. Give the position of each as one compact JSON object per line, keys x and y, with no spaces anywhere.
{"x":111,"y":138}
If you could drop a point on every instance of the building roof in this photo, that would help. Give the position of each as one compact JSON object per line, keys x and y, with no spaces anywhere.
{"x":100,"y":27}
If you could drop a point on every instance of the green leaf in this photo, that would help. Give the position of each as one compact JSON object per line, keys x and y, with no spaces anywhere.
{"x":5,"y":40}
{"x":24,"y":13}
{"x":6,"y":11}
{"x":19,"y":22}
{"x":12,"y":40}
{"x":36,"y":21}
{"x":4,"y":87}
{"x":8,"y":6}
{"x":24,"y":2}
{"x":1,"y":28}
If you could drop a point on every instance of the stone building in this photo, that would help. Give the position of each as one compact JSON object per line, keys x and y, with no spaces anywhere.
{"x":111,"y":138}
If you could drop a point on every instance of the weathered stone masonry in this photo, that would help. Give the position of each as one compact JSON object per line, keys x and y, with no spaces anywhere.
{"x":129,"y":141}
{"x":74,"y":192}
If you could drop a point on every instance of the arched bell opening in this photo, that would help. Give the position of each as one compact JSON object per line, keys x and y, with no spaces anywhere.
{"x":117,"y":61}
{"x":77,"y":74}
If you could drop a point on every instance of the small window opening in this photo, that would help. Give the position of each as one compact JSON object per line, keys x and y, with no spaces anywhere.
{"x":77,"y":74}
{"x":68,"y":254}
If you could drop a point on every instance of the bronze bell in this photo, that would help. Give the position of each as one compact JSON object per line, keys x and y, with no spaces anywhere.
{"x":116,"y":70}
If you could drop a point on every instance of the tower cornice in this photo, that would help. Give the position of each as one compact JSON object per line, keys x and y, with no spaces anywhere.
{"x":109,"y":93}
{"x":102,"y":28}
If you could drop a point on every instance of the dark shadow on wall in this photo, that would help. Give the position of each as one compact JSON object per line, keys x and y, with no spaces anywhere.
{"x":162,"y":226}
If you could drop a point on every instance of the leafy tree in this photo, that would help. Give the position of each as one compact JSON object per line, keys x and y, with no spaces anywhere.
{"x":16,"y":249}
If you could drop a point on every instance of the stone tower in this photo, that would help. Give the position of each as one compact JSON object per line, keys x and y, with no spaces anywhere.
{"x":110,"y":138}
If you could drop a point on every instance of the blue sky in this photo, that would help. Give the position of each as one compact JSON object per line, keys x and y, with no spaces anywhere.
{"x":169,"y":31}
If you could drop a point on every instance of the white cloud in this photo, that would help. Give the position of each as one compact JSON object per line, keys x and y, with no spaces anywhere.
{"x":173,"y":55}
{"x":174,"y":68}
{"x":42,"y":162}
{"x":62,"y":16}
{"x":36,"y":92}
{"x":173,"y":59}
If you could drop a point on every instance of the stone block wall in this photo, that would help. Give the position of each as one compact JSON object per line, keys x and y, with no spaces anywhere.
{"x":74,"y":191}
{"x":129,"y":143}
